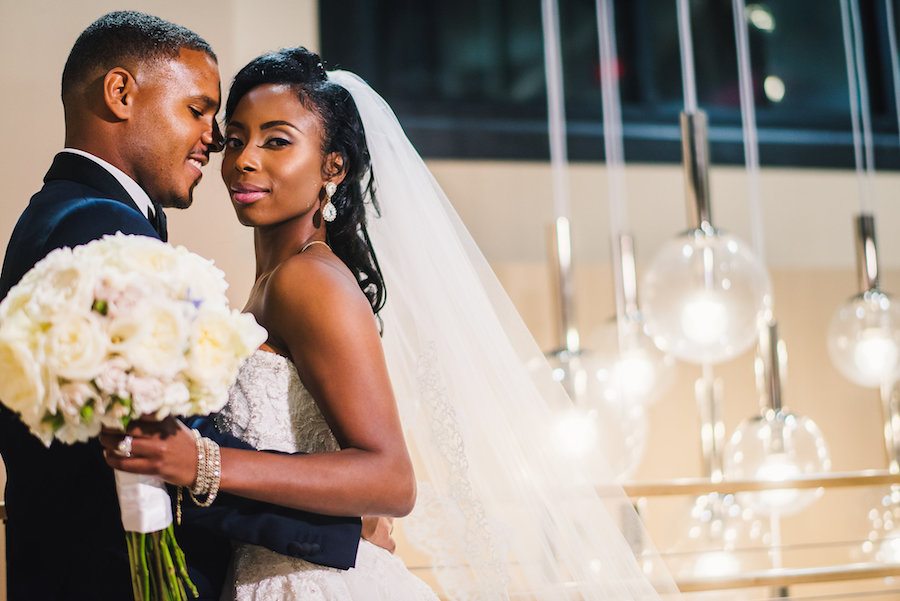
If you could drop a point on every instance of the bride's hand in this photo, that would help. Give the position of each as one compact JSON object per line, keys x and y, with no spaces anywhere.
{"x":164,"y":449}
{"x":378,"y":532}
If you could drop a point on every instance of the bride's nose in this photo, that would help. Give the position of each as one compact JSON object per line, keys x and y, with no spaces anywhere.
{"x":247,"y":160}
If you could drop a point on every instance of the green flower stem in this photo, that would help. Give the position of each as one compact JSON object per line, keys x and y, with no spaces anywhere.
{"x":142,"y":554}
{"x":171,"y":580}
{"x":133,"y":566}
{"x":158,"y":568}
{"x":184,"y":579}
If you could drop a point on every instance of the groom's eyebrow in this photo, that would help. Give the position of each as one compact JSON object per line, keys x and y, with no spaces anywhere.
{"x":207,"y":102}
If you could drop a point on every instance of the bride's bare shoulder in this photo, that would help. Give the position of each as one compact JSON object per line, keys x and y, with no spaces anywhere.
{"x":312,"y":282}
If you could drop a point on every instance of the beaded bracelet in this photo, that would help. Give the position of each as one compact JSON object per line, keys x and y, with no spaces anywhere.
{"x":209,"y":472}
{"x":212,"y":474}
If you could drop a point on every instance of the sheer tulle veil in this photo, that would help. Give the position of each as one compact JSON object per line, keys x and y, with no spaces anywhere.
{"x":502,"y":511}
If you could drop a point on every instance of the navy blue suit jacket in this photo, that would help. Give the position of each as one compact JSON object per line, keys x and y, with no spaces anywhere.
{"x":64,"y":536}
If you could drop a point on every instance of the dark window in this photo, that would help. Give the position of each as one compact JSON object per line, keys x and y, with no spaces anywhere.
{"x":466,"y":78}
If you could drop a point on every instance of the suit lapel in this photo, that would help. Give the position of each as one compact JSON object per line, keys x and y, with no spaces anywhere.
{"x":76,"y":168}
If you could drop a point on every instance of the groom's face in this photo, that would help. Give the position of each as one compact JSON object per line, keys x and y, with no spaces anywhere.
{"x":174,"y":129}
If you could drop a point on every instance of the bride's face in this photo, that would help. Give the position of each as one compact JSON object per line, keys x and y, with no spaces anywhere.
{"x":272,"y":163}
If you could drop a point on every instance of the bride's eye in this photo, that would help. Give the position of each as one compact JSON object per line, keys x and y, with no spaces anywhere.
{"x":232,"y":142}
{"x":277,"y":142}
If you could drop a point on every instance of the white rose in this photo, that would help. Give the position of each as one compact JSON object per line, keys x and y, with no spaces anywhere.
{"x":121,"y":292}
{"x":220,"y":341}
{"x":177,"y":396}
{"x":147,"y":395}
{"x":212,"y":351}
{"x":145,"y":255}
{"x":78,"y":402}
{"x":21,"y":385}
{"x":67,"y":288}
{"x":113,"y":378}
{"x":199,"y":279}
{"x":208,"y":398}
{"x":153,"y":339}
{"x":76,"y":431}
{"x":75,"y":396}
{"x":75,"y":346}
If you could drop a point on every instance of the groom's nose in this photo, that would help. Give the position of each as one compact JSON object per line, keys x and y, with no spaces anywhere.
{"x":218,"y":140}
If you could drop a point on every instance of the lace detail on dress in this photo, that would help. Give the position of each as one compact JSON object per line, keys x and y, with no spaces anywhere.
{"x":269,"y":407}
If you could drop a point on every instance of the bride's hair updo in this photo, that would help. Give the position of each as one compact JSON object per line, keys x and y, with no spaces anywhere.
{"x":342,"y":133}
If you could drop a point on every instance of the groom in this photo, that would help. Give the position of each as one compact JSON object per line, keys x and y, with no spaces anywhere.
{"x":140,"y":97}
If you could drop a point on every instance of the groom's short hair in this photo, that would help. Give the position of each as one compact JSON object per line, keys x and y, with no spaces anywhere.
{"x":125,"y":36}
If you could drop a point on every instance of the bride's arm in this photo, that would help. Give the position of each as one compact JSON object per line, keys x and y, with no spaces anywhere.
{"x":314,"y":310}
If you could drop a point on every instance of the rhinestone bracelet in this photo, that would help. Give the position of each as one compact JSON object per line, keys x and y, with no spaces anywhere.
{"x":212,"y":470}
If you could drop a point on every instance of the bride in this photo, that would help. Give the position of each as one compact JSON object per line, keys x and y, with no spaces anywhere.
{"x":420,"y":339}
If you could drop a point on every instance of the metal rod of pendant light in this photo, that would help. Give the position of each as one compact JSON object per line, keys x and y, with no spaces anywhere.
{"x":859,"y":102}
{"x":866,"y":254}
{"x":748,"y":123}
{"x":895,"y":63}
{"x":569,"y":339}
{"x":622,"y":250}
{"x":688,"y":79}
{"x":695,"y":153}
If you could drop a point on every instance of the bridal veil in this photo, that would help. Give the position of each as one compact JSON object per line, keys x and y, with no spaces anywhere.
{"x":502,"y":511}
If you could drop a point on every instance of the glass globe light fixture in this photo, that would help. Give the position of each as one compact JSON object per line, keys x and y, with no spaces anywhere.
{"x":627,"y":365}
{"x":882,"y":544}
{"x":864,"y":339}
{"x":720,"y":538}
{"x":705,"y":294}
{"x":704,"y":297}
{"x":597,"y":425}
{"x":864,"y":334}
{"x":776,"y":446}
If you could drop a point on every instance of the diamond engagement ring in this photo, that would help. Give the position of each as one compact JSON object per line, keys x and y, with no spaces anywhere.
{"x":124,"y":448}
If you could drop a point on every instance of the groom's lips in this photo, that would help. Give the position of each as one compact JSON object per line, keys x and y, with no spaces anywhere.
{"x":197,"y":161}
{"x":245,"y":193}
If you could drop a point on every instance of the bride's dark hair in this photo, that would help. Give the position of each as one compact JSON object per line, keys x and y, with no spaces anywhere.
{"x":342,"y":133}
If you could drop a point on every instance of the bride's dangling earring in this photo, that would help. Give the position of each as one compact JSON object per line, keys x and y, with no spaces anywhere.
{"x":329,"y":212}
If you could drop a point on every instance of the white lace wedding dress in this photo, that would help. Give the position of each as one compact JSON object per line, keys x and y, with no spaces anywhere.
{"x":269,"y":408}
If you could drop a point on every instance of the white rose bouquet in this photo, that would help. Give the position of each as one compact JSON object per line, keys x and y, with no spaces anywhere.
{"x":117,"y":329}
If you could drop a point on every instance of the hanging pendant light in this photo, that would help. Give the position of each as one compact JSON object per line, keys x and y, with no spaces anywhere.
{"x":864,"y":333}
{"x":778,"y":444}
{"x":705,"y":293}
{"x":630,"y":369}
{"x":595,"y":426}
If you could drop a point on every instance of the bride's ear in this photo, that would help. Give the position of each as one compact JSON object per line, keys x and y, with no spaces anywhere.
{"x":334,"y":168}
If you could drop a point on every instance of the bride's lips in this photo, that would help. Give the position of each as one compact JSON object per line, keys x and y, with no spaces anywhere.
{"x":246,"y":193}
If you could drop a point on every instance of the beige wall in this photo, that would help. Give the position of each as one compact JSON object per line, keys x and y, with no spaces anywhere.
{"x":507,"y":206}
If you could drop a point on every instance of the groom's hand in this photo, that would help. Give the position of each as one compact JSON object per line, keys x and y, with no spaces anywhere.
{"x":378,"y":532}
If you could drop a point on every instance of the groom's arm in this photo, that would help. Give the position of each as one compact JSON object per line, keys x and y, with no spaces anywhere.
{"x":320,"y":539}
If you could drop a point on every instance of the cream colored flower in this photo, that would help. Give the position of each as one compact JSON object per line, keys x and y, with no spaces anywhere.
{"x":75,"y":396}
{"x":75,"y":346}
{"x":199,"y":279}
{"x":145,"y":255}
{"x":153,"y":339}
{"x":220,"y":341}
{"x":113,"y":378}
{"x":21,"y":385}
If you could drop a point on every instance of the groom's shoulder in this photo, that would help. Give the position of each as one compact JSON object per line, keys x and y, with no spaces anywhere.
{"x":68,"y":213}
{"x":58,"y":217}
